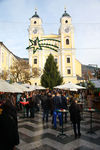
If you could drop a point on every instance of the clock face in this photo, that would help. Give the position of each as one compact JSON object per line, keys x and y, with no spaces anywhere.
{"x":35,"y":31}
{"x":67,"y":29}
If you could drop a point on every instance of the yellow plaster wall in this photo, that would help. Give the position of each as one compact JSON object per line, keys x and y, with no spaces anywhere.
{"x":8,"y":57}
{"x":69,"y":79}
{"x":78,"y":68}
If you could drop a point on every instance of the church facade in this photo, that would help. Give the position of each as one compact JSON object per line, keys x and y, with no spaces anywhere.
{"x":61,"y":46}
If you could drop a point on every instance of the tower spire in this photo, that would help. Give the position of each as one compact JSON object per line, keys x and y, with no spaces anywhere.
{"x":65,"y":13}
{"x":65,"y":9}
{"x":35,"y":9}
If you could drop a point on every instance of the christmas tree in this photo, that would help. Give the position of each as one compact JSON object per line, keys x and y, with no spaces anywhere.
{"x":51,"y":76}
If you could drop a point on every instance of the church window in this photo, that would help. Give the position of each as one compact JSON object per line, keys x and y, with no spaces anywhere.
{"x":68,"y":71}
{"x":68,"y":59}
{"x":34,"y":22}
{"x":56,"y":60}
{"x":35,"y":61}
{"x":66,"y":21}
{"x":67,"y":41}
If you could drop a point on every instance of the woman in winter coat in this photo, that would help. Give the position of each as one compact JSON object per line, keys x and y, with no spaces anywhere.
{"x":75,"y":117}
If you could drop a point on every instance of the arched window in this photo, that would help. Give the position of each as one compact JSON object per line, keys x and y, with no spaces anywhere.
{"x":69,"y":71}
{"x":34,"y":22}
{"x":68,"y":59}
{"x":35,"y":61}
{"x":67,"y":41}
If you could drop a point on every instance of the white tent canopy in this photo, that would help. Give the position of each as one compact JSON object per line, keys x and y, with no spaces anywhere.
{"x":70,"y":86}
{"x":28,"y":86}
{"x":23,"y":88}
{"x":9,"y":88}
{"x":33,"y":87}
{"x":38,"y":87}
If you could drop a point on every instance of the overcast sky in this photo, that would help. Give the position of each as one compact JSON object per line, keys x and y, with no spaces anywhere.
{"x":14,"y":22}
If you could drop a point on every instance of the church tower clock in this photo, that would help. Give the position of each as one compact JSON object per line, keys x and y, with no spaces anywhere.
{"x":35,"y":28}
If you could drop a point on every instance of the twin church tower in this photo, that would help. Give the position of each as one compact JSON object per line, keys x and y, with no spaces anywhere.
{"x":61,"y":46}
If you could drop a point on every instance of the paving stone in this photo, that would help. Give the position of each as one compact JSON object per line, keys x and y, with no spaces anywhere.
{"x":36,"y":135}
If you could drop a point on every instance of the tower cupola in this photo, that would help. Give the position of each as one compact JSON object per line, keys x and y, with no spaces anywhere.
{"x":35,"y":15}
{"x":65,"y":14}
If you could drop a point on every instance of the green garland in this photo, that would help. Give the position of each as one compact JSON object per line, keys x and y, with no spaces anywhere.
{"x":39,"y":45}
{"x":50,"y":45}
{"x":49,"y":40}
{"x":50,"y":48}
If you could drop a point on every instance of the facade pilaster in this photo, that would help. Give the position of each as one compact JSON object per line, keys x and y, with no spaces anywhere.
{"x":73,"y":62}
{"x":63,"y":63}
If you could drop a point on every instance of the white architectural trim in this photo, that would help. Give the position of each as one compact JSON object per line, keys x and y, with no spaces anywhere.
{"x":73,"y":62}
{"x":59,"y":61}
{"x":62,"y":41}
{"x":72,"y":37}
{"x":59,"y":57}
{"x":43,"y":58}
{"x":30,"y":57}
{"x":63,"y":63}
{"x":39,"y":58}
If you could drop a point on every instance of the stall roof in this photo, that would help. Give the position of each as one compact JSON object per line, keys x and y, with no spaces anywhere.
{"x":96,"y":83}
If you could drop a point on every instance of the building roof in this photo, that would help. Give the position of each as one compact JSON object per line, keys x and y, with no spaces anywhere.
{"x":1,"y":43}
{"x":65,"y":14}
{"x":35,"y":15}
{"x":17,"y":57}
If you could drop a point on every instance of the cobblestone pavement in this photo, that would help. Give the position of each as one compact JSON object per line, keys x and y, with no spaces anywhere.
{"x":36,"y":135}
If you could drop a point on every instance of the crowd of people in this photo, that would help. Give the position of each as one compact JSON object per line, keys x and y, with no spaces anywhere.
{"x":48,"y":101}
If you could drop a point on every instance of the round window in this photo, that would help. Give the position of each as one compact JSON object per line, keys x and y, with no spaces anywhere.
{"x":66,"y":21}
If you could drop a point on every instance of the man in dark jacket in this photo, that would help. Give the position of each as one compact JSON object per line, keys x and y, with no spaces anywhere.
{"x":64,"y":105}
{"x":57,"y":105}
{"x":32,"y":102}
{"x":75,"y":117}
{"x":45,"y":106}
